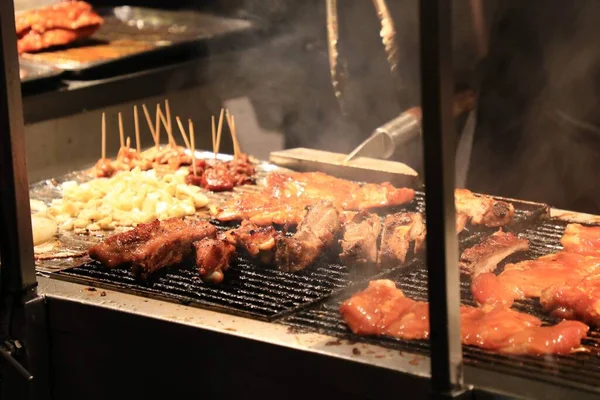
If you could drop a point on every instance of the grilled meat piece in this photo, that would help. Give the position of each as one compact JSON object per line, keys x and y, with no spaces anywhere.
{"x":219,"y":176}
{"x":529,"y":278}
{"x":359,"y":245}
{"x":485,"y":256}
{"x":316,"y":232}
{"x":399,"y":230}
{"x":149,"y":247}
{"x":576,"y":299}
{"x":285,"y":197}
{"x":258,"y":241}
{"x":55,"y":25}
{"x":382,"y":309}
{"x":482,"y":210}
{"x":213,"y":257}
{"x":581,"y":239}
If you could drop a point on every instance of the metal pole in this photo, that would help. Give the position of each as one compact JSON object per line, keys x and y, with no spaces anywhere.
{"x":439,"y":144}
{"x":23,"y":348}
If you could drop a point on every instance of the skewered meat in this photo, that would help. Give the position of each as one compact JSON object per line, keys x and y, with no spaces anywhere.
{"x":485,"y":256}
{"x":149,"y":247}
{"x":481,"y":210}
{"x":127,"y":159}
{"x":399,"y":230}
{"x":219,"y":176}
{"x":284,"y":198}
{"x":576,"y":299}
{"x":529,"y":278}
{"x":172,"y":156}
{"x":382,"y":309}
{"x":315,"y":233}
{"x":55,"y":25}
{"x":258,"y":241}
{"x":581,"y":239}
{"x":104,"y":168}
{"x":213,"y":257}
{"x":359,"y":244}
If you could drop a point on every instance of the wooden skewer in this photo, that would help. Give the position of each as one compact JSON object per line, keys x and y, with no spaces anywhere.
{"x":193,"y":143}
{"x":128,"y":143}
{"x":136,"y":123}
{"x":169,"y":126}
{"x":219,"y":129}
{"x":149,"y":121}
{"x":236,"y":144}
{"x":103,"y":136}
{"x":157,"y":124}
{"x":163,"y":119}
{"x":183,"y":135}
{"x":214,"y":135}
{"x":121,"y":133}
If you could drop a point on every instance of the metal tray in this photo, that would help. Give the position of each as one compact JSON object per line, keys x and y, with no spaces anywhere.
{"x":31,"y":72}
{"x":136,"y":35}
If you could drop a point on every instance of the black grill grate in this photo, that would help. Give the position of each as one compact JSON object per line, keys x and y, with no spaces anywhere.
{"x":251,"y":289}
{"x":579,"y":370}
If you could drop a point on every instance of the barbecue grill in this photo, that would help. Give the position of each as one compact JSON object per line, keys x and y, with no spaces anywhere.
{"x":90,"y":332}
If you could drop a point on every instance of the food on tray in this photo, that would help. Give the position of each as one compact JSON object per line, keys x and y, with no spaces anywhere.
{"x":315,"y":233}
{"x":43,"y":228}
{"x":382,"y":309}
{"x":218,"y":175}
{"x":481,"y":210}
{"x":151,"y":246}
{"x":529,"y":278}
{"x":213,"y":257}
{"x":485,"y":256}
{"x":359,"y":243}
{"x":581,"y":239}
{"x":55,"y":25}
{"x":399,"y":231}
{"x":126,"y":199}
{"x":577,"y":299}
{"x":284,"y":198}
{"x":257,"y":241}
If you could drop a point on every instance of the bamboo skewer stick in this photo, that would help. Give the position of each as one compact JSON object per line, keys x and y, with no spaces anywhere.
{"x":103,"y":136}
{"x":214,"y":135}
{"x":236,"y":143}
{"x":136,"y":122}
{"x":121,"y":133}
{"x":183,"y":135}
{"x":149,"y":122}
{"x":128,"y":143}
{"x":193,"y":143}
{"x":219,"y":130}
{"x":157,"y":122}
{"x":169,"y":126}
{"x":166,"y":123}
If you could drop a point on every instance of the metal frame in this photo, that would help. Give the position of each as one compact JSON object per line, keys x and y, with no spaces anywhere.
{"x":21,"y":310}
{"x":439,"y":146}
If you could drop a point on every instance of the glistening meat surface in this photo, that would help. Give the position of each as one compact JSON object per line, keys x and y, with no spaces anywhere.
{"x":581,"y":239}
{"x":149,"y":247}
{"x":382,"y":309}
{"x":481,"y":210}
{"x":485,"y":256}
{"x":577,"y":299}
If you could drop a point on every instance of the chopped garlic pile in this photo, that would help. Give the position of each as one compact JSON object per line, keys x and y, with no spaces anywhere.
{"x":126,"y":199}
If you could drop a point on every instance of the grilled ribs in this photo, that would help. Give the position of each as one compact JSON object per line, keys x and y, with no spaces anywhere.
{"x":59,"y":24}
{"x":481,"y":210}
{"x":213,"y":257}
{"x":257,"y":241}
{"x":382,"y":309}
{"x":581,"y":239}
{"x":399,"y":230}
{"x":359,"y":244}
{"x":485,"y":256}
{"x":149,"y":247}
{"x":316,"y":232}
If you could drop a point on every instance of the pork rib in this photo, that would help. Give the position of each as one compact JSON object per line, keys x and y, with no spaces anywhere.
{"x":152,"y":246}
{"x":399,"y":230}
{"x":485,"y":256}
{"x":359,"y":244}
{"x":481,"y":210}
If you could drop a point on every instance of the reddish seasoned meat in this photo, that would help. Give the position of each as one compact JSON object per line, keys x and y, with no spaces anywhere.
{"x":359,"y":244}
{"x":285,"y":197}
{"x":485,"y":256}
{"x":171,"y":156}
{"x":382,"y":309}
{"x":55,"y":25}
{"x":316,"y":232}
{"x":217,"y":179}
{"x":258,"y":241}
{"x":212,"y":258}
{"x":530,"y":278}
{"x":576,"y":299}
{"x":219,"y":176}
{"x":149,"y":247}
{"x":399,"y":230}
{"x":582,"y":239}
{"x":104,"y":168}
{"x":482,"y":210}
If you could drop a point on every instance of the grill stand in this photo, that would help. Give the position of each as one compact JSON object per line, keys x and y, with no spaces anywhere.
{"x":20,"y":307}
{"x":439,"y":145}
